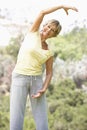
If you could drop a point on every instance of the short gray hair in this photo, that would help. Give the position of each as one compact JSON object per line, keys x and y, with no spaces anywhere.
{"x":57,"y":24}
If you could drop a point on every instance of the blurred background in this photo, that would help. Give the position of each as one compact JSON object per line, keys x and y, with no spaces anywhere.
{"x":67,"y":93}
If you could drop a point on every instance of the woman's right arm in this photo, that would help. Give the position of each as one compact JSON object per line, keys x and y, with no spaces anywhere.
{"x":35,"y":26}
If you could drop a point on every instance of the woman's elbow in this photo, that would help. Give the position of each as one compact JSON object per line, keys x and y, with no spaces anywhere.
{"x":42,"y":12}
{"x":50,"y":74}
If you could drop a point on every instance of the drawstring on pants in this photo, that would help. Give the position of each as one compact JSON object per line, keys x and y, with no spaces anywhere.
{"x":32,"y":79}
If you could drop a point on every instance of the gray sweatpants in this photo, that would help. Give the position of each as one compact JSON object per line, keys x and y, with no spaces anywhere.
{"x":22,"y":86}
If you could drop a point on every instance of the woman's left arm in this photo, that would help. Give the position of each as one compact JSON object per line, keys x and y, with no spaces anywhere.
{"x":49,"y":72}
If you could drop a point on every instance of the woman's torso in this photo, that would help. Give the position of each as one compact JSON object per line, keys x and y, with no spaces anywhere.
{"x":31,"y":56}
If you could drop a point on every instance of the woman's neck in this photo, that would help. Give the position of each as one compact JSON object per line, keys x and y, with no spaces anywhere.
{"x":44,"y":45}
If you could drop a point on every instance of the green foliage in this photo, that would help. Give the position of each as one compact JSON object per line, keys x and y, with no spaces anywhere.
{"x":67,"y":108}
{"x":4,"y":113}
{"x":29,"y":123}
{"x":14,"y":45}
{"x":13,"y":48}
{"x":67,"y":105}
{"x":2,"y":50}
{"x":71,"y":46}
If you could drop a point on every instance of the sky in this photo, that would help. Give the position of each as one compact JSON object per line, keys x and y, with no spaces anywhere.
{"x":30,"y":8}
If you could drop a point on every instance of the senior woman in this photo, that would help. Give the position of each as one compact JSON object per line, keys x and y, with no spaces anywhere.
{"x":27,"y":74}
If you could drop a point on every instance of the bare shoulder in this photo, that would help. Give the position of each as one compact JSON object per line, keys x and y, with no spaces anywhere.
{"x":50,"y":59}
{"x":49,"y":62}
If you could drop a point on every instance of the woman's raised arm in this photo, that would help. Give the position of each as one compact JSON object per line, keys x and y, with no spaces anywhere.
{"x":36,"y":24}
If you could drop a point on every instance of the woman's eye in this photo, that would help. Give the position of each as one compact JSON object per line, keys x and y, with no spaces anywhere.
{"x":48,"y":26}
{"x":53,"y":30}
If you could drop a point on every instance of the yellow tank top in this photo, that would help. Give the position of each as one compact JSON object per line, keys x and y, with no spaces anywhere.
{"x":31,"y":56}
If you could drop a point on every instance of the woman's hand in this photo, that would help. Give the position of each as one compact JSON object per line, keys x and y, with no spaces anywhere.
{"x":66,"y":8}
{"x":38,"y":94}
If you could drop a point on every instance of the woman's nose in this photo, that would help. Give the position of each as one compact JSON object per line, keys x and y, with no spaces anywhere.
{"x":49,"y":29}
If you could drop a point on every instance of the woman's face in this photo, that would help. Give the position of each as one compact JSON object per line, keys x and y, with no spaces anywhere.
{"x":49,"y":30}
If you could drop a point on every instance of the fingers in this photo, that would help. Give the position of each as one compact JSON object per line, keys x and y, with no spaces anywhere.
{"x":67,"y":12}
{"x":70,"y":8}
{"x":75,"y":9}
{"x":36,"y":95}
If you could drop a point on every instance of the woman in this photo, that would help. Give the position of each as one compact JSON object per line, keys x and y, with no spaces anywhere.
{"x":27,"y":74}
